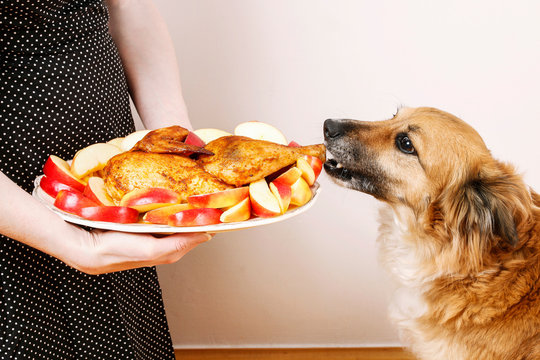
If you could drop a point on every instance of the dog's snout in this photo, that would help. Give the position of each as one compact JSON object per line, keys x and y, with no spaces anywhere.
{"x":332,"y":129}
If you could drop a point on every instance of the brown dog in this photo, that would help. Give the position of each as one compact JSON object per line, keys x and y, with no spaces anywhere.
{"x":461,"y":233}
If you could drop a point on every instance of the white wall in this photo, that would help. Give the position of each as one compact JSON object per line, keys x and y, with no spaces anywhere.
{"x":314,"y":280}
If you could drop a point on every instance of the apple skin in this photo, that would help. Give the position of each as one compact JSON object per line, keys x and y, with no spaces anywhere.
{"x":260,"y":131}
{"x":72,"y":201}
{"x":149,"y":199}
{"x":195,"y":217}
{"x":238,"y":212}
{"x":115,"y":214}
{"x":52,"y":186}
{"x":263,"y":202}
{"x":193,"y":139}
{"x":290,"y":176}
{"x":161,"y":215}
{"x":308,"y":173}
{"x":294,"y":144}
{"x":282,"y":192}
{"x":315,"y":163}
{"x":59,"y":170}
{"x":300,"y":192}
{"x":219,"y":199}
{"x":95,"y":190}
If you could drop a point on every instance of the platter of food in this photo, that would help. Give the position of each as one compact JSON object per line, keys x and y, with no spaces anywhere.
{"x":172,"y":180}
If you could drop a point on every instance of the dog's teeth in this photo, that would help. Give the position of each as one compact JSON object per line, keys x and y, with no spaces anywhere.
{"x":339,"y":166}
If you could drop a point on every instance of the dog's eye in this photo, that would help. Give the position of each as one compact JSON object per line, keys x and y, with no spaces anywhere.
{"x":405,"y":144}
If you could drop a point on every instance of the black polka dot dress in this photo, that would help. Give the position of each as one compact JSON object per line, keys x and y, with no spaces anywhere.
{"x":62,"y":87}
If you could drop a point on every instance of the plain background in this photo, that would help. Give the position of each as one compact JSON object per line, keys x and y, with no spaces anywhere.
{"x":314,"y":280}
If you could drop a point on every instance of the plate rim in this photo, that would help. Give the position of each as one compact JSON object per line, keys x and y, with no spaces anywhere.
{"x":48,"y":200}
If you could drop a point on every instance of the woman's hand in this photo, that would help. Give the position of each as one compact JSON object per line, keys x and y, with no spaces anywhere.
{"x":108,"y":251}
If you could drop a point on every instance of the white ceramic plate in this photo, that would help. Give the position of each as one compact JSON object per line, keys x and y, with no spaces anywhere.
{"x":48,"y":201}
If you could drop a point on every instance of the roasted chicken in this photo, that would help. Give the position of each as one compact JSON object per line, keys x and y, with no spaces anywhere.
{"x":161,"y":159}
{"x":239,"y":160}
{"x":136,"y":170}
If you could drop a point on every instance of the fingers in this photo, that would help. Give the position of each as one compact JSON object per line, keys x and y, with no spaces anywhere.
{"x":174,"y":247}
{"x":110,"y":251}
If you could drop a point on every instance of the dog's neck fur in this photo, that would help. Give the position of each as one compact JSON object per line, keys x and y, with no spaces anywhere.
{"x":426,"y":277}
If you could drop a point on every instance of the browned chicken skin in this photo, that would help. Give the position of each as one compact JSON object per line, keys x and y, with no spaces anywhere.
{"x":168,"y":140}
{"x":137,"y":170}
{"x":239,"y":160}
{"x":161,"y":159}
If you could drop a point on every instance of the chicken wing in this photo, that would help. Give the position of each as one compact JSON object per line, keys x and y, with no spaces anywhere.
{"x":136,"y":169}
{"x":168,"y":140}
{"x":239,"y":160}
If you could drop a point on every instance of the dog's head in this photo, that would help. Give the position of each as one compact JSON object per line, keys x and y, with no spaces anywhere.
{"x":431,"y":162}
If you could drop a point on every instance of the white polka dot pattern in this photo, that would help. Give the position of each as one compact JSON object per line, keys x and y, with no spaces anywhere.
{"x":62,"y":87}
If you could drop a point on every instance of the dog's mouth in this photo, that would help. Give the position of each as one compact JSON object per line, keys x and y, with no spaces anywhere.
{"x":337,"y":170}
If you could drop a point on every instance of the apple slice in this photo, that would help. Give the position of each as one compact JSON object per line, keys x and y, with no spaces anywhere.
{"x":282,"y":192}
{"x":95,"y":190}
{"x":195,"y":217}
{"x":161,"y":215}
{"x":315,"y":163}
{"x":238,"y":212}
{"x":116,"y":142}
{"x":263,"y":202}
{"x":290,"y":176}
{"x":209,"y":134}
{"x":52,"y":186}
{"x":72,"y":201}
{"x":294,"y":144}
{"x":115,"y":214}
{"x":193,"y":139}
{"x":58,"y":169}
{"x":300,"y":192}
{"x":92,"y":158}
{"x":147,"y":199}
{"x":133,"y":138}
{"x":260,"y":131}
{"x":219,"y":199}
{"x":307,"y":171}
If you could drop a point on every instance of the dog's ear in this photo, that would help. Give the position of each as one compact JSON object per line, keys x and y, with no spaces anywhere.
{"x":485,"y":208}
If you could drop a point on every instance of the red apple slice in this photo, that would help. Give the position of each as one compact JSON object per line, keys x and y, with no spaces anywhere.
{"x":238,"y":212}
{"x":161,"y":215}
{"x":300,"y":193}
{"x":149,"y":199}
{"x":219,"y":199}
{"x":208,"y":135}
{"x":52,"y":186}
{"x":72,"y":201}
{"x":58,"y":169}
{"x":315,"y":163}
{"x":92,"y":158}
{"x":263,"y":202}
{"x":307,"y":171}
{"x":195,"y":217}
{"x":282,"y":192}
{"x":294,"y":144}
{"x":290,"y":176}
{"x":260,"y":131}
{"x":95,"y":190}
{"x":193,"y":139}
{"x":115,"y":214}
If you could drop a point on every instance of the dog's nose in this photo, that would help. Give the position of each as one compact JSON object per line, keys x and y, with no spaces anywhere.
{"x":332,"y":129}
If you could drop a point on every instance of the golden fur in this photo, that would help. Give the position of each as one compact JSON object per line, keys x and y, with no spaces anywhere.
{"x":460,"y":232}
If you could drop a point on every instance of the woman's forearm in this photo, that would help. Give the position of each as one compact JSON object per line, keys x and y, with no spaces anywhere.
{"x":149,"y":61}
{"x":25,"y":219}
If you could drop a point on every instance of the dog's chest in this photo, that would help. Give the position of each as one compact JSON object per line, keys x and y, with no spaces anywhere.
{"x":408,"y":306}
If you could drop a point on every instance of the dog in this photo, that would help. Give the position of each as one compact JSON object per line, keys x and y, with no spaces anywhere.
{"x":460,"y":231}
